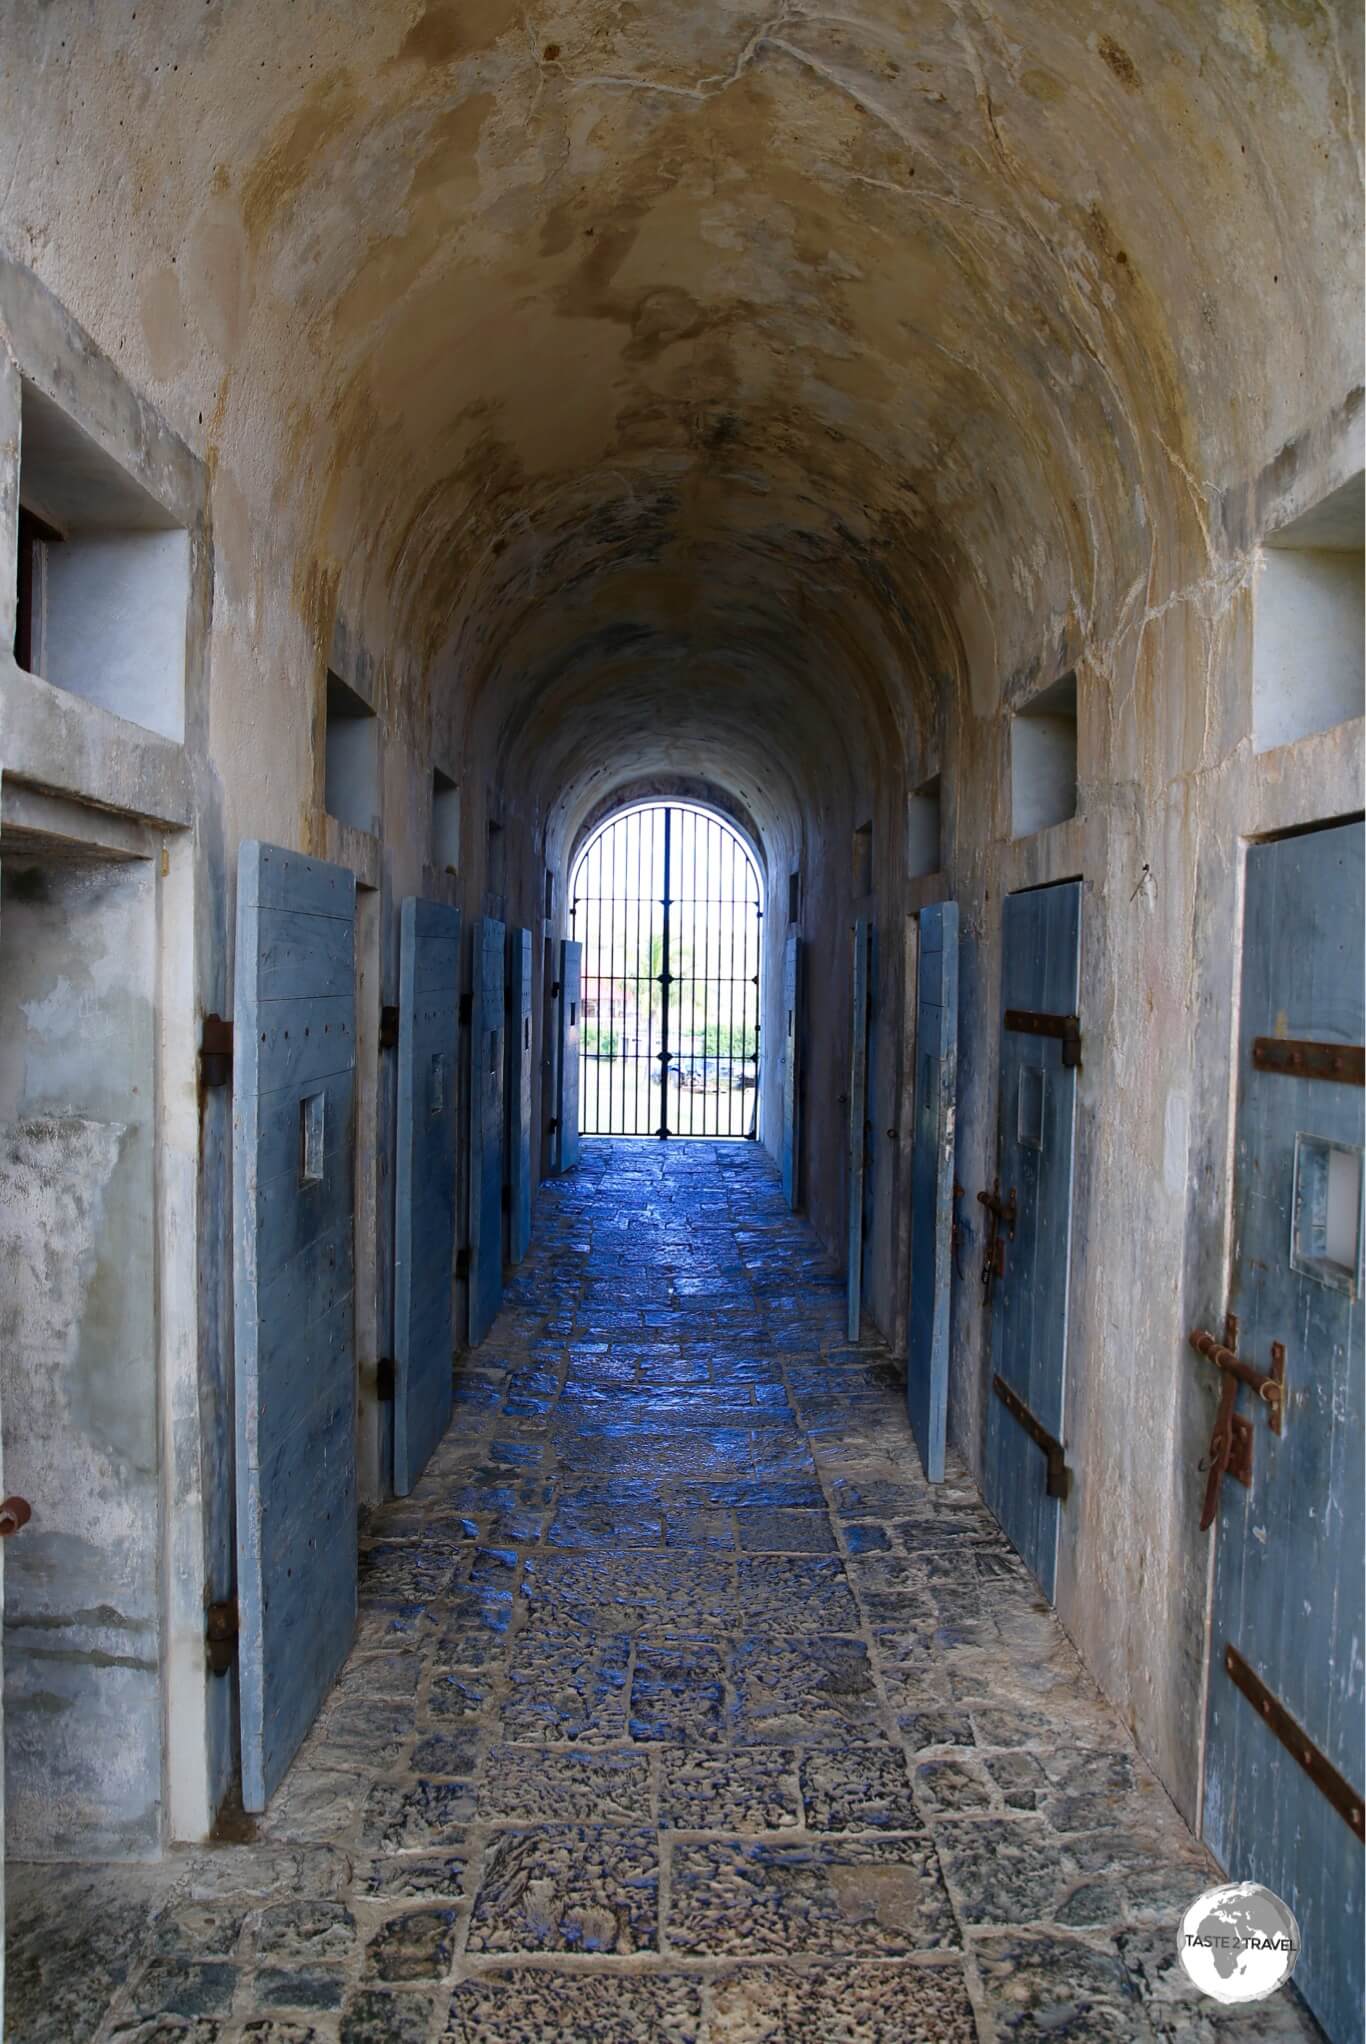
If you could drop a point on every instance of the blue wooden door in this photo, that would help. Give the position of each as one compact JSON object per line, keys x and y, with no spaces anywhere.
{"x":519,"y":1093}
{"x":424,"y":1205}
{"x":932,"y":1160}
{"x":1288,"y":1555}
{"x":295,"y":1372}
{"x":792,"y":1068}
{"x":567,"y":1061}
{"x":488,"y":1020}
{"x":858,"y":1121}
{"x":1041,"y":946}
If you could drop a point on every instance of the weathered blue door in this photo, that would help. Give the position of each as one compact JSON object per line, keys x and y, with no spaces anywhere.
{"x":567,"y":1061}
{"x":488,"y":1020}
{"x":792,"y":1068}
{"x":1029,"y":1230}
{"x":858,"y":1120}
{"x":932,"y":1156}
{"x":424,"y":1206}
{"x":519,"y":1093}
{"x":1288,"y":1624}
{"x":295,"y":1373}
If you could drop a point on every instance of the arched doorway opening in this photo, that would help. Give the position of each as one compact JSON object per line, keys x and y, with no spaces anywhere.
{"x":666,"y":899}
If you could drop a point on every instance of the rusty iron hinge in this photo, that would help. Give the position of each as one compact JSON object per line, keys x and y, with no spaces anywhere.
{"x":553,"y":1123}
{"x":215,"y":1051}
{"x":220,"y":1634}
{"x":1346,"y":1800}
{"x":1344,"y":1063}
{"x":462,"y":1263}
{"x":1058,"y":1482}
{"x":386,"y":1377}
{"x":388,"y":1026}
{"x":1029,"y":1022}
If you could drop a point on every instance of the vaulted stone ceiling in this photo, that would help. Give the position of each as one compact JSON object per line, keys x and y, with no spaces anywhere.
{"x":722,"y":377}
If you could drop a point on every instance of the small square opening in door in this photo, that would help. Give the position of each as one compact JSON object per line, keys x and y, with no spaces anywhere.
{"x":312,"y":1136}
{"x":1029,"y":1107}
{"x":1326,"y":1239}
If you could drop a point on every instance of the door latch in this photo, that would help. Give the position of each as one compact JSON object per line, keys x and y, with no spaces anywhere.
{"x":1230,"y":1447}
{"x":1003,"y":1214}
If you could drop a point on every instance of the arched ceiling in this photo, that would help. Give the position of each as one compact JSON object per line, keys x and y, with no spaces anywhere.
{"x":709,"y":384}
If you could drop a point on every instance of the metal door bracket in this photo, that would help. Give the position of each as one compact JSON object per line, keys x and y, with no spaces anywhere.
{"x":1058,"y":1483}
{"x":1344,"y":1063}
{"x":466,"y":1010}
{"x":386,"y":1379}
{"x":1269,"y":1385}
{"x":220,"y":1635}
{"x":388,"y":1027}
{"x":1345,"y":1799}
{"x":462,"y":1263}
{"x":1030,"y":1022}
{"x":1004,"y":1214}
{"x":1230,"y":1445}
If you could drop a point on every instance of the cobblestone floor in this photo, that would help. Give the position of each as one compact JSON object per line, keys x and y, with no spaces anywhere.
{"x":682,"y":1709}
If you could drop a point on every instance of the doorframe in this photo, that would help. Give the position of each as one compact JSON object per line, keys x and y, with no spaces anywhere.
{"x":186,"y":1700}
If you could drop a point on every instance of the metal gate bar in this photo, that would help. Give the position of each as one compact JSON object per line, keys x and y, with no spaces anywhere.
{"x":666,"y":901}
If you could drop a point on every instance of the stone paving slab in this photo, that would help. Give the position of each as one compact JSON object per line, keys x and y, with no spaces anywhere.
{"x":682,"y":1711}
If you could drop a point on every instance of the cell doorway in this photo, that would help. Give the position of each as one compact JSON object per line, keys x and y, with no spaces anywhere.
{"x":667,"y":902}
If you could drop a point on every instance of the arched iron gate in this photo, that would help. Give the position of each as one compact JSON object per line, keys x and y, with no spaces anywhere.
{"x":666,"y":901}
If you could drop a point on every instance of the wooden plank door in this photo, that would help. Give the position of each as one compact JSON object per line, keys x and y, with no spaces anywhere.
{"x":519,"y":1093}
{"x":425,"y":1182}
{"x":567,"y":1062}
{"x":858,"y":1120}
{"x":1288,"y":1576}
{"x":1041,"y":955}
{"x":488,"y":1020}
{"x":294,"y":1036}
{"x":792,"y":1067}
{"x":932,"y":1169}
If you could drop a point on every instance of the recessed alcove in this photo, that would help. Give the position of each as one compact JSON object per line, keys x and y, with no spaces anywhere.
{"x":1043,"y":759}
{"x":351,"y":786}
{"x":103,"y":575}
{"x":446,"y":823}
{"x":1308,"y":672}
{"x":923,"y":854}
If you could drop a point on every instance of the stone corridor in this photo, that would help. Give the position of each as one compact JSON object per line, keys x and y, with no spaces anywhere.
{"x":681,"y":1709}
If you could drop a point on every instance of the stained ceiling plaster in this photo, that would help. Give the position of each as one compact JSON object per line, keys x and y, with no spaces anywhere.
{"x":711,"y":385}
